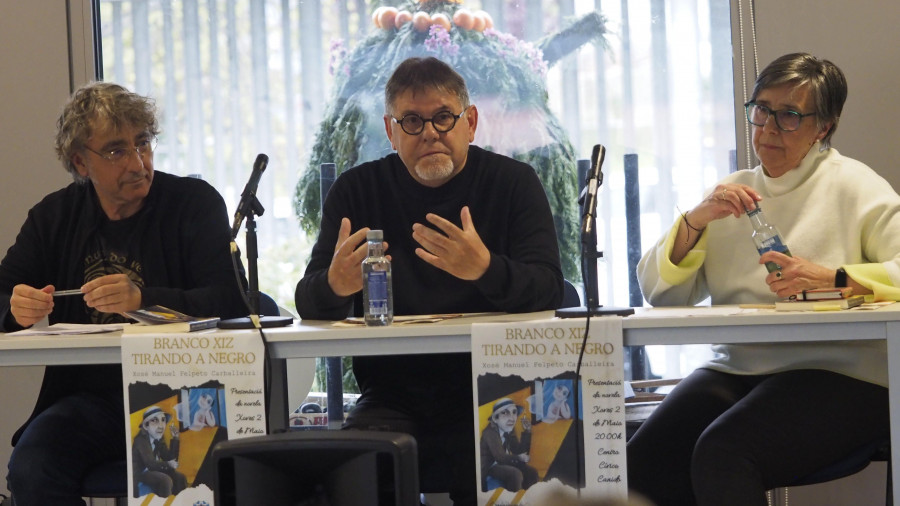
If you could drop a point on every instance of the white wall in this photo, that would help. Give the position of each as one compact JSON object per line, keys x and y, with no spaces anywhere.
{"x":34,"y":82}
{"x":860,"y":37}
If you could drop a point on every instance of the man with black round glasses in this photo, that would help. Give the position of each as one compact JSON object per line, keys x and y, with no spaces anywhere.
{"x":468,"y":231}
{"x":124,"y":237}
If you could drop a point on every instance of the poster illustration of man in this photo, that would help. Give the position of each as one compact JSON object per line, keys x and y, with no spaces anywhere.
{"x":504,"y":454}
{"x":564,"y":424}
{"x":155,"y":461}
{"x":541,"y":449}
{"x":174,"y":431}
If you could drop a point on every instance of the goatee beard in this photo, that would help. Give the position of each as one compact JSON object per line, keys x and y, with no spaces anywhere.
{"x":434,"y":171}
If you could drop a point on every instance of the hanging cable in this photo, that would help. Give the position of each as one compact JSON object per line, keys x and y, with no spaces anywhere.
{"x":255,"y":319}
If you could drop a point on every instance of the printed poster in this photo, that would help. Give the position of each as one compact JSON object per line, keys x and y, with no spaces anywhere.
{"x":534,"y":443}
{"x":184,"y":393}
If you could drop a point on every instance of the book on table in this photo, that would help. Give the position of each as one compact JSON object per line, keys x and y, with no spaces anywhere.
{"x":820,"y":305}
{"x":829,"y":293}
{"x":154,"y":319}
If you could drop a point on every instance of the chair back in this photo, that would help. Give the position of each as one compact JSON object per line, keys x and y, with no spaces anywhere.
{"x":571,"y":298}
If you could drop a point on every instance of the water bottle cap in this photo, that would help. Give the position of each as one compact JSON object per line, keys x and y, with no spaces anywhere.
{"x":375,"y":235}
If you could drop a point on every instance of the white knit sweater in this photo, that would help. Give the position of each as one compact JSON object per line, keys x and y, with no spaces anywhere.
{"x":831,"y":210}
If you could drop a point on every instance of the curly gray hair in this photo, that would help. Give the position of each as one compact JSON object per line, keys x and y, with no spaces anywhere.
{"x":100,"y":105}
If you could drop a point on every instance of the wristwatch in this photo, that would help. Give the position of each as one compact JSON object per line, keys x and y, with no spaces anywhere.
{"x":840,"y":277}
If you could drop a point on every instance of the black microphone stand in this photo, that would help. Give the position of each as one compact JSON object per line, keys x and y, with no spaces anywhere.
{"x":589,"y":256}
{"x":255,"y":209}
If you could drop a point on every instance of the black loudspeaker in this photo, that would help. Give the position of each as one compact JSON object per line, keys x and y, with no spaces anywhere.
{"x":338,"y":468}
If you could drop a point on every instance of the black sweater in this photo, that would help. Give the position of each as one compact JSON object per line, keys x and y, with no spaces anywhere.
{"x":511,"y":214}
{"x":183,"y":237}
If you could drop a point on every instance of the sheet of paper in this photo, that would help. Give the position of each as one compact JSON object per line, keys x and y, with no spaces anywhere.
{"x":675,"y":312}
{"x":67,"y":329}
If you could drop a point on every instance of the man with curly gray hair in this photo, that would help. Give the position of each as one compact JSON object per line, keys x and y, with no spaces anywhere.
{"x":122,"y":237}
{"x":97,"y":104}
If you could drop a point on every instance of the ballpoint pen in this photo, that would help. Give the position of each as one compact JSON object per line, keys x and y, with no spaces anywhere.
{"x":62,"y":293}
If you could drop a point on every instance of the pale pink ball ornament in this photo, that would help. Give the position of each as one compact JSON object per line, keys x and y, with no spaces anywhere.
{"x":478,"y":21}
{"x":402,"y":18}
{"x":463,"y":19}
{"x":421,"y":21}
{"x":441,"y":19}
{"x":387,"y":17}
{"x":488,"y":20}
{"x":376,"y":17}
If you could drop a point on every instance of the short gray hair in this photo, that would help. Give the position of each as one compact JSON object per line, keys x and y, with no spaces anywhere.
{"x":826,"y":83}
{"x":96,"y":105}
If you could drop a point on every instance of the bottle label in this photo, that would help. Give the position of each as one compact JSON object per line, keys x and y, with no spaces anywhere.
{"x":773,"y":244}
{"x":378,"y":293}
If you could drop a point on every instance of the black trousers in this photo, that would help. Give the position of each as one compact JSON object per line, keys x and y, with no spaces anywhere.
{"x":722,"y":438}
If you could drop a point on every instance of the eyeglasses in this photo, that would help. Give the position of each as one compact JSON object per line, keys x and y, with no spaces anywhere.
{"x":785,"y":119}
{"x":119,"y":156}
{"x":413,"y":124}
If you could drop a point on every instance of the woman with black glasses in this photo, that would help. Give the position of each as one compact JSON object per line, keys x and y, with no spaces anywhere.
{"x":757,"y":417}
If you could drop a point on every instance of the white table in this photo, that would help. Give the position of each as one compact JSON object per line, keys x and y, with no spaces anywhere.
{"x":61,"y":350}
{"x":648,"y":327}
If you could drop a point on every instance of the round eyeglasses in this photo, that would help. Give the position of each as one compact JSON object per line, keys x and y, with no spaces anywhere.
{"x":120,"y":156}
{"x":413,"y":124}
{"x":785,"y":119}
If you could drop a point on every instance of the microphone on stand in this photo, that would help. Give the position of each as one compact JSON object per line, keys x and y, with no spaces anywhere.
{"x":592,"y":185}
{"x":248,"y":208}
{"x":248,"y":196}
{"x":589,"y":253}
{"x":589,"y":257}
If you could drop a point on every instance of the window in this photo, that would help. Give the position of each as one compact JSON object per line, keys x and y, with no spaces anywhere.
{"x":234,"y":78}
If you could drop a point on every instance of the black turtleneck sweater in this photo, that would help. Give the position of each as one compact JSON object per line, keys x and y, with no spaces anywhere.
{"x":512,"y":216}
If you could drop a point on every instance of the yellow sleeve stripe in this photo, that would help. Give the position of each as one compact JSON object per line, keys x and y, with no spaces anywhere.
{"x":678,"y":274}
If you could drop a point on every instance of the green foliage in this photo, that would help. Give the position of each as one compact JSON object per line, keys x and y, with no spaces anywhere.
{"x":349,"y":381}
{"x":505,"y":77}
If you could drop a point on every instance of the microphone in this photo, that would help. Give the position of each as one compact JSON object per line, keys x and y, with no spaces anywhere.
{"x":593,"y":181}
{"x":248,"y":197}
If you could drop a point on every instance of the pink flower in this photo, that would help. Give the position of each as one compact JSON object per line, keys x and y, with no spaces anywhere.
{"x":338,"y":51}
{"x":509,"y":45}
{"x":438,"y":41}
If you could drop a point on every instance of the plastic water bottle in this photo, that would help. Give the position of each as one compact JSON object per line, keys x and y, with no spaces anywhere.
{"x":766,"y":237}
{"x":378,"y":296}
